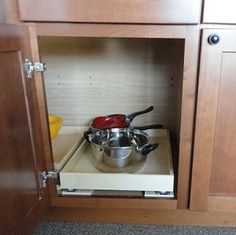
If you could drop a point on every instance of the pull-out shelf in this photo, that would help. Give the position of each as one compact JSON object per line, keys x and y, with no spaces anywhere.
{"x":79,"y":174}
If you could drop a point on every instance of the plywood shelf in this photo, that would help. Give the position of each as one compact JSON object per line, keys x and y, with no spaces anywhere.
{"x":64,"y":145}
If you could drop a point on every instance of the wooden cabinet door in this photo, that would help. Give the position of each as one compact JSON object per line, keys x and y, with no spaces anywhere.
{"x":214,"y":162}
{"x":19,"y":186}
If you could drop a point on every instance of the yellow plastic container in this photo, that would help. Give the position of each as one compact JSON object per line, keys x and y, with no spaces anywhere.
{"x":55,"y":123}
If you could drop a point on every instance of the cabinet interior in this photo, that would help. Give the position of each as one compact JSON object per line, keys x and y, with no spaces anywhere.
{"x":89,"y":77}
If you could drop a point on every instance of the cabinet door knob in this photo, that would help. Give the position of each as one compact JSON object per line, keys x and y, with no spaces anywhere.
{"x":213,"y":39}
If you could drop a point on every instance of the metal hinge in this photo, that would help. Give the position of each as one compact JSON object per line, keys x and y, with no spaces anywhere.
{"x":49,"y":175}
{"x":36,"y":67}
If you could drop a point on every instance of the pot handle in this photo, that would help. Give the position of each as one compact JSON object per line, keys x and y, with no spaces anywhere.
{"x":154,"y":126}
{"x":87,"y":134}
{"x":148,"y":148}
{"x":130,"y":117}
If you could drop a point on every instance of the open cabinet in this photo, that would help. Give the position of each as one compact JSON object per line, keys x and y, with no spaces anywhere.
{"x":113,"y":75}
{"x":95,"y":69}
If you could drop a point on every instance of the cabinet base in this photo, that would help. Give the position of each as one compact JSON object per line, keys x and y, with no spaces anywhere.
{"x":141,"y":216}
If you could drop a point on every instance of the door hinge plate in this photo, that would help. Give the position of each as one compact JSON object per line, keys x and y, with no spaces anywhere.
{"x":48,"y":175}
{"x":36,"y":67}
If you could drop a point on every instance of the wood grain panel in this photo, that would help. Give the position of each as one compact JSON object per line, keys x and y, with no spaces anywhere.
{"x":115,"y":11}
{"x":222,"y":203}
{"x":142,"y":216}
{"x":188,"y":97}
{"x":218,"y":11}
{"x":9,"y":11}
{"x":214,"y":153}
{"x":223,"y":175}
{"x":19,"y":192}
{"x":111,"y":31}
{"x":205,"y":121}
{"x":114,"y":203}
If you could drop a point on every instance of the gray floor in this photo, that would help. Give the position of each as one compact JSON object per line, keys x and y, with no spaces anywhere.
{"x":51,"y":228}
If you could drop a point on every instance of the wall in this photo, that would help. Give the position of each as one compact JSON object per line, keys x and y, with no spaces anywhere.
{"x":88,"y":77}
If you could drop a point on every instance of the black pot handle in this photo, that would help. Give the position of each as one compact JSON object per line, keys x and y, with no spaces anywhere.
{"x":148,"y":148}
{"x":154,"y":126}
{"x":130,"y":117}
{"x":87,"y":133}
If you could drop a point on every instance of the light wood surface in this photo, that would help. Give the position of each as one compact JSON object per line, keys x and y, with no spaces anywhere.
{"x":218,"y":11}
{"x":107,"y":76}
{"x":115,"y":11}
{"x":62,"y":148}
{"x":155,"y":174}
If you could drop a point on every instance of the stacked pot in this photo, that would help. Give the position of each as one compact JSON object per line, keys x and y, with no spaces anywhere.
{"x":116,"y":146}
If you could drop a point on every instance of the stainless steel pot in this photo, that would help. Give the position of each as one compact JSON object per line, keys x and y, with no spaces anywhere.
{"x":103,"y":132}
{"x":120,"y":150}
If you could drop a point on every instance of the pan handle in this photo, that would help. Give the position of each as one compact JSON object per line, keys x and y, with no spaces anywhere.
{"x":148,"y":148}
{"x":130,"y":117}
{"x":143,"y":128}
{"x":87,"y":134}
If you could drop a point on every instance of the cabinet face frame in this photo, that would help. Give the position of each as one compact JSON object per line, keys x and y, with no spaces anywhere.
{"x":190,"y":34}
{"x":206,"y":119}
{"x":111,"y":11}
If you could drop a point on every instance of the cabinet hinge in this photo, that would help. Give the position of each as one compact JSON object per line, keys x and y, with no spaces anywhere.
{"x":48,"y":175}
{"x":36,"y":67}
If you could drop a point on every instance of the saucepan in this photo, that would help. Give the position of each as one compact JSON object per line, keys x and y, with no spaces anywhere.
{"x":105,"y":132}
{"x":120,"y":149}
